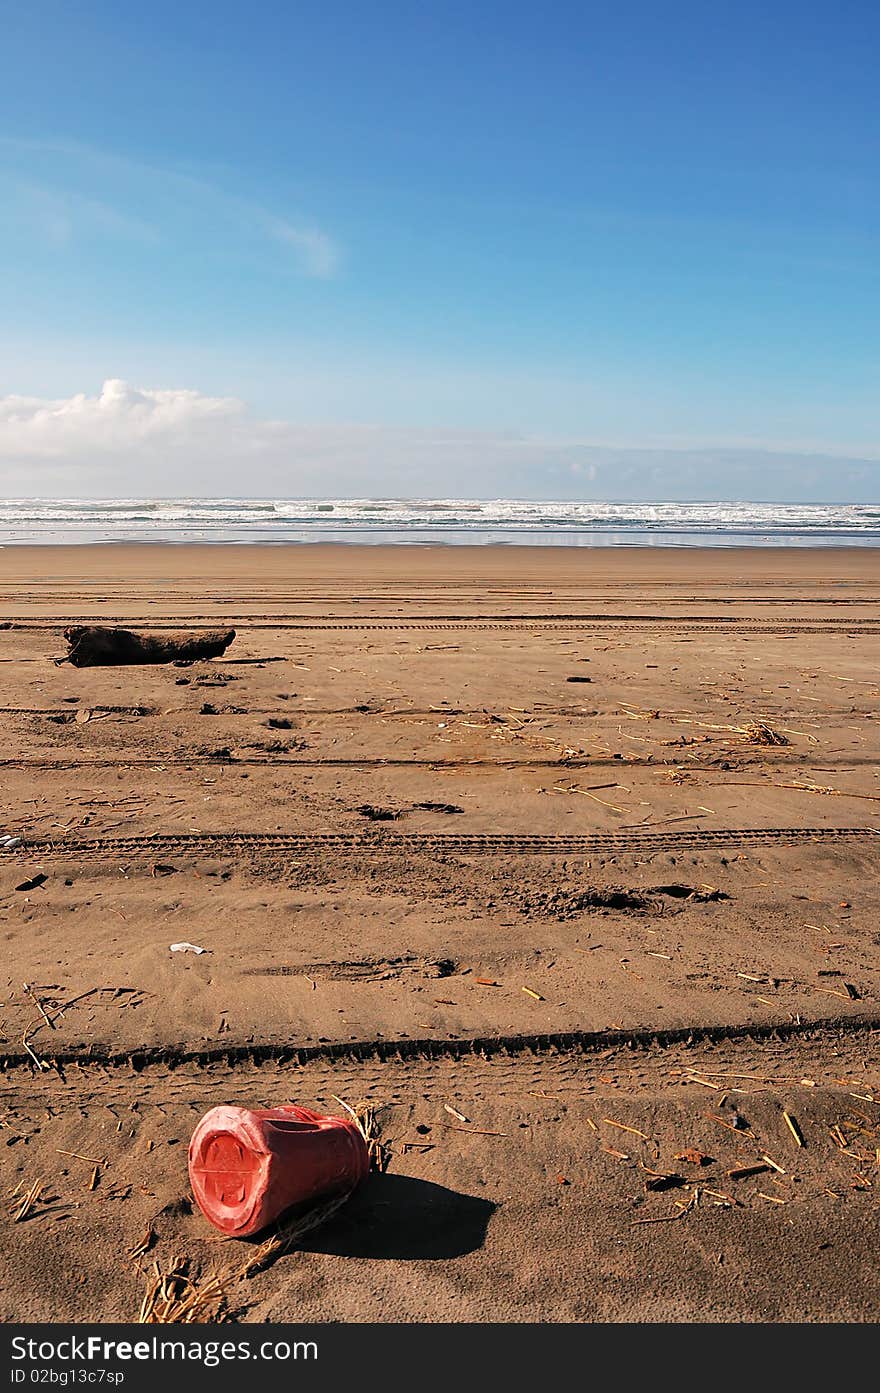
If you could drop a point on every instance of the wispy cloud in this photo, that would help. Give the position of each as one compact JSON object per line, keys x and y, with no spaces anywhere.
{"x":319,"y":253}
{"x":61,"y":216}
{"x":64,"y":190}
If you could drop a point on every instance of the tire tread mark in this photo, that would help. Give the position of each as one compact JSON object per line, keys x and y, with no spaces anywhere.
{"x":90,"y":1073}
{"x":474,"y":844}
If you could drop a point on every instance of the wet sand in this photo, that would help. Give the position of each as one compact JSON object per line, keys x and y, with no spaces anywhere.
{"x":580,"y":843}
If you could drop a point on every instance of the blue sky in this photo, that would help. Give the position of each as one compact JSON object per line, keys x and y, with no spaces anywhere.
{"x":634,"y":226}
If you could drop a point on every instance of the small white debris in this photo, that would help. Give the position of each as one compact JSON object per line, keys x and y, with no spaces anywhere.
{"x":187,"y":948}
{"x":453,"y":1112}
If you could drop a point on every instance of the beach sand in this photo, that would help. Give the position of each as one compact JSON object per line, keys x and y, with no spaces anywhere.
{"x":505,"y":829}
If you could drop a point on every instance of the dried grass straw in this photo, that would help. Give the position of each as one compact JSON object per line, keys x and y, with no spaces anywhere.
{"x":756,"y":732}
{"x":367,"y":1123}
{"x":174,"y":1298}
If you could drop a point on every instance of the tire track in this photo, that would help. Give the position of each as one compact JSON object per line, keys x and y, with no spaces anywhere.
{"x":277,"y":761}
{"x":779,"y":760}
{"x":71,"y":710}
{"x":465,"y":844}
{"x":498,"y":1064}
{"x":304,"y":599}
{"x":603,"y":623}
{"x":427,"y":715}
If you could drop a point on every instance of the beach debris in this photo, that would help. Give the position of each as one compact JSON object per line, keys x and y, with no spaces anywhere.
{"x":694,"y":1157}
{"x":535,"y":995}
{"x":92,"y":1160}
{"x":658,"y":1180}
{"x":94,"y":646}
{"x":805,"y":788}
{"x":186,"y":948}
{"x":39,"y":1005}
{"x":473,"y":1131}
{"x":588,"y":793}
{"x":9,"y":843}
{"x":31,"y":1030}
{"x":793,"y":1126}
{"x":743,"y":1172}
{"x":760,"y":733}
{"x":514,"y":726}
{"x":248,"y":1168}
{"x":609,"y":1122}
{"x":756,"y":732}
{"x":28,"y":1202}
{"x":367,"y":1123}
{"x":143,"y":1246}
{"x":578,"y":678}
{"x":173,"y":1298}
{"x":677,"y":776}
{"x":768,"y":1160}
{"x":449,"y":808}
{"x":723,"y":1201}
{"x":739,"y":1127}
{"x":374,"y":814}
{"x":453,"y":1112}
{"x":683,"y":1207}
{"x":287,"y":1234}
{"x":850,"y":994}
{"x":34,"y":883}
{"x":25,"y":1040}
{"x":82,"y":716}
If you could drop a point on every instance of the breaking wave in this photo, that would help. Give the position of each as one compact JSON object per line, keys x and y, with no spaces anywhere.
{"x":499,"y":520}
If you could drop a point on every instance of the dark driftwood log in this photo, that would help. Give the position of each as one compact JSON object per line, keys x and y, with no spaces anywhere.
{"x":96,"y":647}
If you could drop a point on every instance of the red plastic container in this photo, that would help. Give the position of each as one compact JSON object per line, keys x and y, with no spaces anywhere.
{"x":247,"y":1168}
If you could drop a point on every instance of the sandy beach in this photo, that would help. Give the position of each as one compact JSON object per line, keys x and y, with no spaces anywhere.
{"x":581,"y":845}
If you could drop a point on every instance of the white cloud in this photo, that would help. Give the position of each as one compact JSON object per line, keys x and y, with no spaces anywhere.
{"x":120,"y":418}
{"x":128,"y":441}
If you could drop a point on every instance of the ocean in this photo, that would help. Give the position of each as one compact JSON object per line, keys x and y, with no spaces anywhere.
{"x":497,"y":521}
